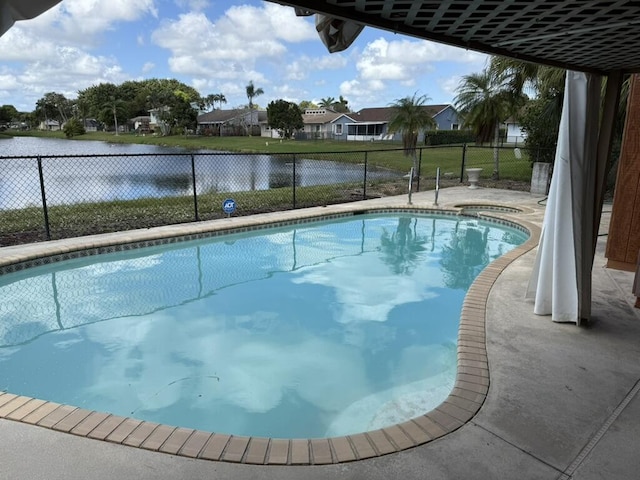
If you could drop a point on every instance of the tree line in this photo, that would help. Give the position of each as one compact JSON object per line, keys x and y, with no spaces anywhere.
{"x":529,"y":93}
{"x":175,"y":104}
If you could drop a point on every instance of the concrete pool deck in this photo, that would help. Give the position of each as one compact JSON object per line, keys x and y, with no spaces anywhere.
{"x":562,"y":402}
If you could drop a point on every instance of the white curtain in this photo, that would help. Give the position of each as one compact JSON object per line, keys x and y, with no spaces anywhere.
{"x":561,"y":277}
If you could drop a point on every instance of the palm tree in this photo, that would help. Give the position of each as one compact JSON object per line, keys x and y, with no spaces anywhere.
{"x":327,"y":102}
{"x":252,"y":92}
{"x":114,"y":107}
{"x":547,"y":85}
{"x":220,"y":98}
{"x":524,"y":77}
{"x":213,"y":98}
{"x":342,"y":105}
{"x":542,"y":81}
{"x":484,"y":101}
{"x":409,"y":117}
{"x":540,"y":116}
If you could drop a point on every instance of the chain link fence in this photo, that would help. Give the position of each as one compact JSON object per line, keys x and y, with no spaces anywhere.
{"x":52,"y":197}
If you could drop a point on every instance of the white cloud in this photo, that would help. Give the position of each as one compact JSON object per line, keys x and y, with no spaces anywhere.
{"x":304,"y":67}
{"x":147,"y":67}
{"x":247,"y":370}
{"x":230,"y":47}
{"x":19,"y":45}
{"x":330,"y":62}
{"x":82,"y":17}
{"x":288,"y":93}
{"x":51,"y":52}
{"x":216,"y":48}
{"x":73,"y":67}
{"x":450,"y":84}
{"x":269,"y":21}
{"x":383,"y":64}
{"x":8,"y":82}
{"x":66,"y":71}
{"x":83,"y":21}
{"x":196,"y":5}
{"x":296,"y":71}
{"x":385,"y":291}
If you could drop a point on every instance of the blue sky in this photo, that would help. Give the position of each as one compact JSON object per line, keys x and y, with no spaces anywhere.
{"x":218,"y":47}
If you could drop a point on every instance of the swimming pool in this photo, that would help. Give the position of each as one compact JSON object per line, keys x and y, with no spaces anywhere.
{"x":254,"y":324}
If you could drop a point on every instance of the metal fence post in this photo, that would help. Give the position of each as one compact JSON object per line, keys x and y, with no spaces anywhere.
{"x":364,"y":182}
{"x":195,"y":192}
{"x":464,"y":159}
{"x":44,"y":199}
{"x":419,"y":170}
{"x":293,"y":180}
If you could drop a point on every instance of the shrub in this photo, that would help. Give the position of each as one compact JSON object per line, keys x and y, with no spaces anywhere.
{"x":448,"y":137}
{"x":541,"y":129}
{"x":73,"y":128}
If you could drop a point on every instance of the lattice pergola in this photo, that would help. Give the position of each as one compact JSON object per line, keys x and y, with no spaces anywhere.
{"x":595,"y":36}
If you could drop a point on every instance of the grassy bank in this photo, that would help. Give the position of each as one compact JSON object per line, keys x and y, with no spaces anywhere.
{"x":27,"y":224}
{"x":231,"y":144}
{"x":381,"y":154}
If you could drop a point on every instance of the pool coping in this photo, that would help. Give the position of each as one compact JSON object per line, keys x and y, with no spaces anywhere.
{"x":463,"y":403}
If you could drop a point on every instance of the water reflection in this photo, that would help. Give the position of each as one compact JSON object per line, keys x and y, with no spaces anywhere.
{"x":465,"y":255}
{"x":68,"y":294}
{"x":104,"y":172}
{"x":403,"y":247}
{"x":313,"y":324}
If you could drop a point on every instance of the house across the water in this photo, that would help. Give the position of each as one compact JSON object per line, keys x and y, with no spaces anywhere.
{"x":368,"y":124}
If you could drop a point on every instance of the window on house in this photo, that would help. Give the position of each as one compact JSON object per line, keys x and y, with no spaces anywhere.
{"x":365,"y":129}
{"x":455,"y":126}
{"x":337,"y":129}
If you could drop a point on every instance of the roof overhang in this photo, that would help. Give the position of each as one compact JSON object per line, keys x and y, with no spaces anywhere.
{"x":13,"y":10}
{"x":589,"y":35}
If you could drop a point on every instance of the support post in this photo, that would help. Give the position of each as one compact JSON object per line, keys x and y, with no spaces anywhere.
{"x":623,"y":241}
{"x":195,"y":192}
{"x":419,"y":170}
{"x":293,"y":180}
{"x":364,"y":180}
{"x":464,"y":159}
{"x":45,"y":210}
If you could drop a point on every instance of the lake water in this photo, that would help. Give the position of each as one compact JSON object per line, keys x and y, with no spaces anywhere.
{"x":101,"y":171}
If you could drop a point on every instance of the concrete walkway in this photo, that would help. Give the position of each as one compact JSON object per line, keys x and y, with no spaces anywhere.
{"x":563,"y":401}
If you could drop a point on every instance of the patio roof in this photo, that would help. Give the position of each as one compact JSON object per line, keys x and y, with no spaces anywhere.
{"x":591,"y":36}
{"x":14,"y":10}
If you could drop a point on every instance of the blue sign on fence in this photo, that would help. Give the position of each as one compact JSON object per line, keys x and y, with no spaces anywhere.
{"x":229,"y":206}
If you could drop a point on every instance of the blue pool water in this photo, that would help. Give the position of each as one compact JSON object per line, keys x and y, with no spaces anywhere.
{"x":315,"y":330}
